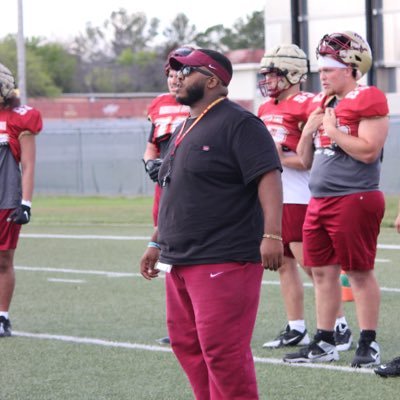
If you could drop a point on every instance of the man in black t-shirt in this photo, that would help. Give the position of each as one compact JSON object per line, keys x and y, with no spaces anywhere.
{"x":219,"y":225}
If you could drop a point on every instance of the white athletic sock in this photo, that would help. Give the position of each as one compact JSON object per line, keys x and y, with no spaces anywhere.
{"x":341,"y":323}
{"x":297,"y":324}
{"x":4,"y":314}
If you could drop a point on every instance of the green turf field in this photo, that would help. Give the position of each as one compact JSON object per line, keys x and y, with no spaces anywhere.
{"x":85,"y":322}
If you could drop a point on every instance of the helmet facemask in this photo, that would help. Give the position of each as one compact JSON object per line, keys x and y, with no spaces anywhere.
{"x":266,"y":87}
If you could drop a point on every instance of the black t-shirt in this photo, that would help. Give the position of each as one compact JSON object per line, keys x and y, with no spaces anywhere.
{"x":209,"y":210}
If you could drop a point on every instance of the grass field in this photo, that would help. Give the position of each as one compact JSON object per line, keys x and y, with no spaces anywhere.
{"x":85,"y":322}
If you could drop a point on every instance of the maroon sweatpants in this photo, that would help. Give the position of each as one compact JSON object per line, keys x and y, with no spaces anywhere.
{"x":211,"y":312}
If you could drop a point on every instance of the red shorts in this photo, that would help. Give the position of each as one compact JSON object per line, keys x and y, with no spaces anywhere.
{"x":293,"y":216}
{"x":9,"y":232}
{"x":343,"y":230}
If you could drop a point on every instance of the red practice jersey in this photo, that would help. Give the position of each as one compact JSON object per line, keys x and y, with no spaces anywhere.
{"x":14,"y":121}
{"x":165,"y":114}
{"x":285,"y":120}
{"x":362,"y":102}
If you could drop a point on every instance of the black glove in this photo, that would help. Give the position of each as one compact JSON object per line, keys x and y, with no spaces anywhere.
{"x":152,"y":167}
{"x":21,"y":215}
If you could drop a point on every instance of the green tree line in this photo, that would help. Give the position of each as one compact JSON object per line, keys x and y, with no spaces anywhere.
{"x":123,"y":55}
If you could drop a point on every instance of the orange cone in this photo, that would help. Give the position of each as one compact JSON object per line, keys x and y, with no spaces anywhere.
{"x":347,"y":293}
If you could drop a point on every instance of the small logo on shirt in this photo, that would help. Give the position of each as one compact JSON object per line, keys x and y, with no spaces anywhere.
{"x":206,"y":148}
{"x":213,"y":275}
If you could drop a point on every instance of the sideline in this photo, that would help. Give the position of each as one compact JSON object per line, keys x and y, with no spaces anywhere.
{"x":137,"y":346}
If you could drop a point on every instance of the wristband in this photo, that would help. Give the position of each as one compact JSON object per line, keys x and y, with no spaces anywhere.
{"x":154,"y":244}
{"x":272,"y":236}
{"x":26,"y":203}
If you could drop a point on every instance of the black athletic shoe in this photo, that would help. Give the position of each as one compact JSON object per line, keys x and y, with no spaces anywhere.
{"x":288,"y":337}
{"x":390,"y":369}
{"x":343,"y":338}
{"x":367,"y":354}
{"x":5,"y":327}
{"x":164,"y":340}
{"x":316,"y":351}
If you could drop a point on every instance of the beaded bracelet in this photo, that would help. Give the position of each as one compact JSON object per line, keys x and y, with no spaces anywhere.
{"x":154,"y":244}
{"x":272,"y":236}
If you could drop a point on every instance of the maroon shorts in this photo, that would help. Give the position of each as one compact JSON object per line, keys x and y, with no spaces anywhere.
{"x":9,"y":232}
{"x":343,"y":230}
{"x":293,"y":216}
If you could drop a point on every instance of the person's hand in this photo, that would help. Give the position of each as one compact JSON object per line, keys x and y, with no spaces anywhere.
{"x":148,"y":263}
{"x":271,"y":254}
{"x":21,"y":215}
{"x":152,"y":167}
{"x":314,"y":121}
{"x":397,"y":223}
{"x":329,"y":120}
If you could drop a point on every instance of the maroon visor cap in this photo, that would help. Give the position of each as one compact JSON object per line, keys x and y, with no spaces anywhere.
{"x":214,"y":61}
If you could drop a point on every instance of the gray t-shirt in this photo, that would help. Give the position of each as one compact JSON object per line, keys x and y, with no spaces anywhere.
{"x":10,"y":179}
{"x":335,"y":173}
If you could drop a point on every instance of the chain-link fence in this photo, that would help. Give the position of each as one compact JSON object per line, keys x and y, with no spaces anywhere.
{"x":104,"y":157}
{"x":92,"y":157}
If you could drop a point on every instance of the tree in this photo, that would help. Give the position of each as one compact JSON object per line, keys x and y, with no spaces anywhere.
{"x":38,"y":77}
{"x":213,"y":37}
{"x":179,"y":33}
{"x":246,"y":34}
{"x":61,"y":64}
{"x":122,"y":54}
{"x":133,"y":31}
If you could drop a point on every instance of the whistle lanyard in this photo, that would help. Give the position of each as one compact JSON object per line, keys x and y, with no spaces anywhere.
{"x":181,"y":135}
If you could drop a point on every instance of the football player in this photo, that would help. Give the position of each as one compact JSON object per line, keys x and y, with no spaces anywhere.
{"x":342,"y":142}
{"x":285,"y":113}
{"x":165,"y":114}
{"x":18,"y":127}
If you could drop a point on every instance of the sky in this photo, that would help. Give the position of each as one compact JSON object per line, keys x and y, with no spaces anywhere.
{"x":65,"y":19}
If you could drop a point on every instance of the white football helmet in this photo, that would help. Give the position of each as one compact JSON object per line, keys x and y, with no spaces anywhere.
{"x":7,"y":83}
{"x":289,"y":62}
{"x":348,"y":48}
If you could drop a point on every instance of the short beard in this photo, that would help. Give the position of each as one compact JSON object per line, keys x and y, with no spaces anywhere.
{"x":194,"y":93}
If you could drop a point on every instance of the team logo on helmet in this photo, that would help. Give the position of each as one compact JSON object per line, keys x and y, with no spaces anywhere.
{"x":348,"y":48}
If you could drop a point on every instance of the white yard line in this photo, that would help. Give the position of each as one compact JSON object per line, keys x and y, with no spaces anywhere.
{"x":110,"y":274}
{"x":92,"y":237}
{"x":66,"y":280}
{"x":107,"y":237}
{"x":137,"y":346}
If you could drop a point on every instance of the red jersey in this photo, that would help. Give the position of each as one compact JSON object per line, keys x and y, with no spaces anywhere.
{"x":14,"y":121}
{"x":165,"y":113}
{"x":362,"y":102}
{"x":285,"y":119}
